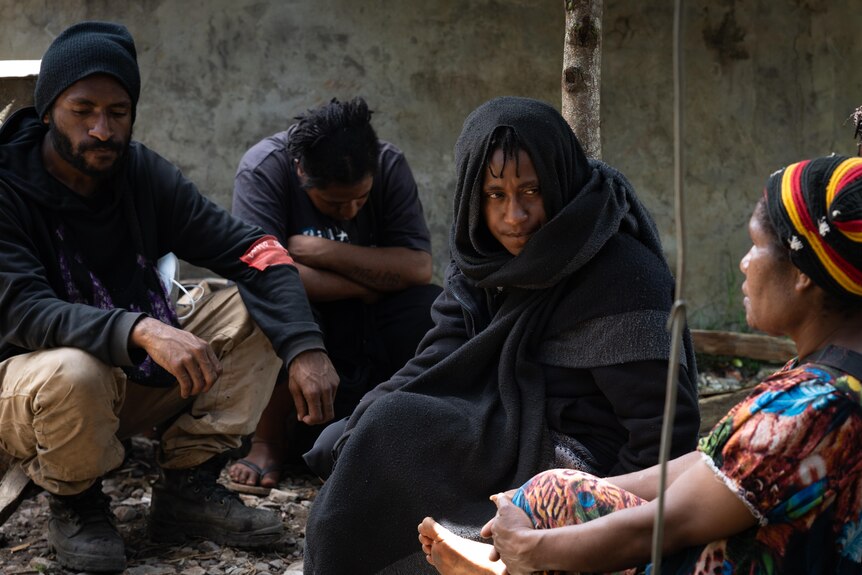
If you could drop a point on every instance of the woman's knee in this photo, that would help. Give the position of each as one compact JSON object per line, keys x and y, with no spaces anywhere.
{"x":557,"y":479}
{"x":560,"y":497}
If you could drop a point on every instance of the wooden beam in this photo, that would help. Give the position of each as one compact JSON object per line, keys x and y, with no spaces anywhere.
{"x":749,"y":345}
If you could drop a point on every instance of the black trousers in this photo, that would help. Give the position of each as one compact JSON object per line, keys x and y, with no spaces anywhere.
{"x":367,"y":343}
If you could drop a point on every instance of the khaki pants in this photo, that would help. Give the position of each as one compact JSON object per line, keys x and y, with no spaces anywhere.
{"x":63,"y":412}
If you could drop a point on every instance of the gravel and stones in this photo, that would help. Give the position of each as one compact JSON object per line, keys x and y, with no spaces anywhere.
{"x":24,"y":550}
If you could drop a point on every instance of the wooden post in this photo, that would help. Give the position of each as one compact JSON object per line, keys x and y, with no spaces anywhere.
{"x":582,"y":72}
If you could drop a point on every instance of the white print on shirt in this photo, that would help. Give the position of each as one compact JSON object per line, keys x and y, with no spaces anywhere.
{"x":328,"y":233}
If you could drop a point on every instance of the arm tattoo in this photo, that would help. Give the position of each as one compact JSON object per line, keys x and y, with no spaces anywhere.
{"x":382,"y":280}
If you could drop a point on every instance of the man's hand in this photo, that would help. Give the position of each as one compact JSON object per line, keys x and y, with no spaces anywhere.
{"x":184,"y":355}
{"x":312,"y":381}
{"x":513,"y":534}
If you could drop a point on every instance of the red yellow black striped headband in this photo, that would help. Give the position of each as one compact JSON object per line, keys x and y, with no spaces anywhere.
{"x":816,"y":208}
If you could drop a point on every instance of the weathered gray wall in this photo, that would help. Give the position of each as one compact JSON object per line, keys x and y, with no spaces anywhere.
{"x":768,"y":82}
{"x":219,"y":75}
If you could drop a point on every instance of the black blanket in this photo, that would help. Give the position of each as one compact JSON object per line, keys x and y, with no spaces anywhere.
{"x":465,"y":418}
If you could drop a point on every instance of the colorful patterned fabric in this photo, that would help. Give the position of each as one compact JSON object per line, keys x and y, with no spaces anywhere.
{"x":560,"y":497}
{"x":790,"y":451}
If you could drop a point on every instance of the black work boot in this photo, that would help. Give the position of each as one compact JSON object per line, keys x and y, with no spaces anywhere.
{"x":82,"y":532}
{"x":190,"y":503}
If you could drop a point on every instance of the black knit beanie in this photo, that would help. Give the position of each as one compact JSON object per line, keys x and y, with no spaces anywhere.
{"x":85,"y":49}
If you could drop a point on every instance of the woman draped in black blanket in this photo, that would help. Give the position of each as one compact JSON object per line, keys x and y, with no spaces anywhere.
{"x":549,"y":349}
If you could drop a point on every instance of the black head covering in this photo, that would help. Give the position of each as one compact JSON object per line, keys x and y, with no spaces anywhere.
{"x":585,"y":202}
{"x":815,"y":207}
{"x":85,"y":49}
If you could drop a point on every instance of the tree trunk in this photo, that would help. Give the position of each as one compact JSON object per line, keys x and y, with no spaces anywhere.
{"x":582,"y":72}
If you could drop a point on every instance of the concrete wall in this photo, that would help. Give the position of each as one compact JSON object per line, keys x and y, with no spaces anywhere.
{"x":768,"y":82}
{"x":219,"y":75}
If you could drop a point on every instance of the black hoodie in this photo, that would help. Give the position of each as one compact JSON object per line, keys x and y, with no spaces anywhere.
{"x":164,"y":212}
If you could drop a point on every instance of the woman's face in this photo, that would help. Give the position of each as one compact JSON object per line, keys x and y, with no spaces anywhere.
{"x":769,"y":282}
{"x":512,"y":201}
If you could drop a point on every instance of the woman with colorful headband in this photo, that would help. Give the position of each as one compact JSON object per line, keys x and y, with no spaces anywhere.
{"x":777,"y":486}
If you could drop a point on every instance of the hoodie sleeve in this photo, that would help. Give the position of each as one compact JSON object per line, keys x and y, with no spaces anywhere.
{"x":206,"y":235}
{"x":32,"y":316}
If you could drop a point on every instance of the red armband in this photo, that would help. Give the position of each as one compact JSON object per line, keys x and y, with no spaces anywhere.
{"x":265,"y":252}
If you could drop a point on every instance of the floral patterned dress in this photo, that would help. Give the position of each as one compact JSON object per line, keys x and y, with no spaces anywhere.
{"x":791,"y":451}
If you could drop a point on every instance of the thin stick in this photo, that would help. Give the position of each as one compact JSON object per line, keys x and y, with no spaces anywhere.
{"x":676,"y":322}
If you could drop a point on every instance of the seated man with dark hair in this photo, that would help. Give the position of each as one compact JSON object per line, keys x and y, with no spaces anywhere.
{"x":347,"y":207}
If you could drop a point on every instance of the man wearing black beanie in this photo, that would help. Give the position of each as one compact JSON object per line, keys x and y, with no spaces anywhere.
{"x":91,"y":347}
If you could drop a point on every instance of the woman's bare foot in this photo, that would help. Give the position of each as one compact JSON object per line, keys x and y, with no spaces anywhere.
{"x":454,"y":555}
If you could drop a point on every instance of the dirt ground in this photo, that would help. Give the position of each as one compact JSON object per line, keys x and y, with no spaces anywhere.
{"x":23,"y":549}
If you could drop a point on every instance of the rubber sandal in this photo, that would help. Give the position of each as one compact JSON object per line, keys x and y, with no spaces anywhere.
{"x":252,"y":489}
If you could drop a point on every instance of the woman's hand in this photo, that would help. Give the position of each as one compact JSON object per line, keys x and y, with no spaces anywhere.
{"x":515,"y":539}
